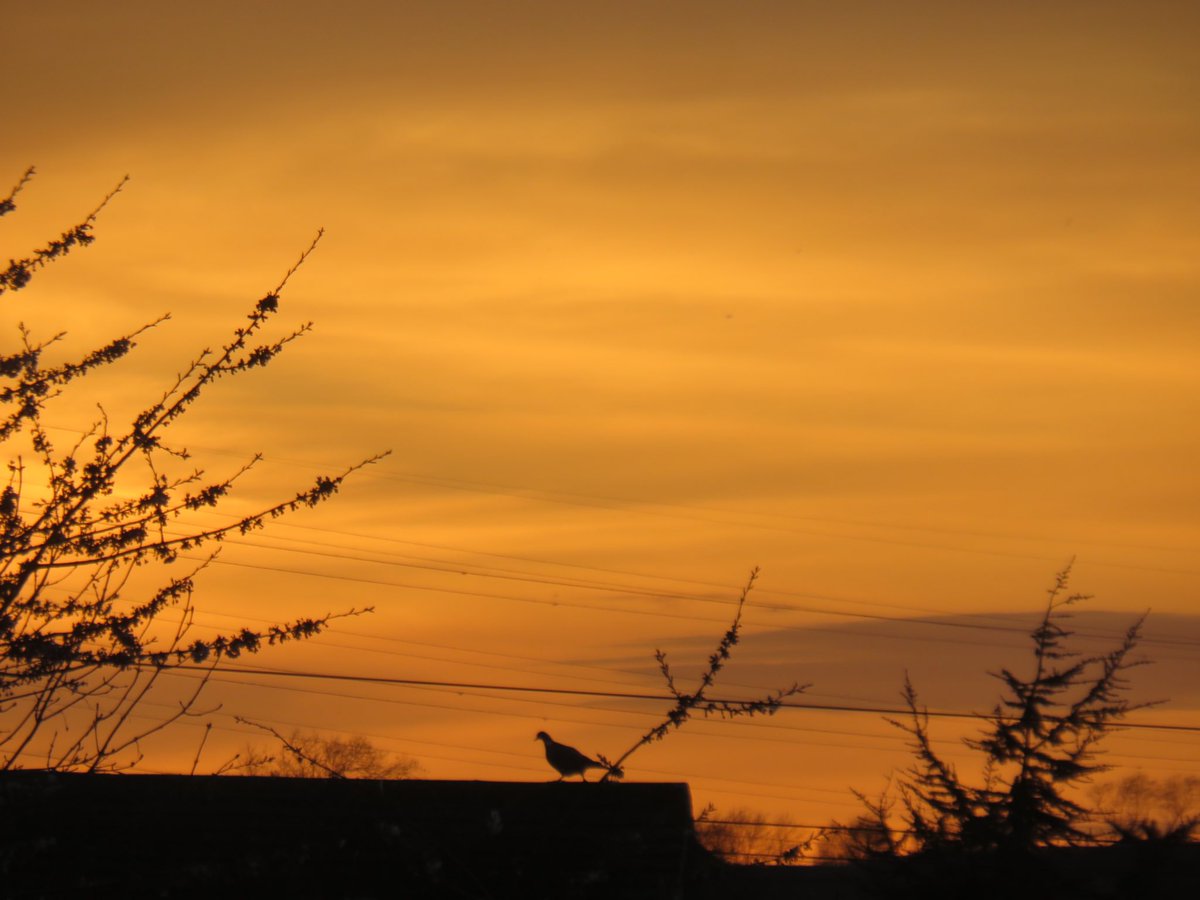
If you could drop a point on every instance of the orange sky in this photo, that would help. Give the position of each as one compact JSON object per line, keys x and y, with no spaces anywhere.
{"x":898,"y":302}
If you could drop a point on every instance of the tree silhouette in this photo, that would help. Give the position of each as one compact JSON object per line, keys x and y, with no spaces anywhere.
{"x":1039,"y":742}
{"x":741,"y":836}
{"x":863,"y":838}
{"x":83,"y":639}
{"x":1138,"y":807}
{"x":313,"y":755}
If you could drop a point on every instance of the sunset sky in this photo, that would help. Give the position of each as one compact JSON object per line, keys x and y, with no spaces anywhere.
{"x":899,"y":302}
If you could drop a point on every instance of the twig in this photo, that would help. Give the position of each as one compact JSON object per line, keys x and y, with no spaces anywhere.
{"x":195,"y":762}
{"x":688,"y":704}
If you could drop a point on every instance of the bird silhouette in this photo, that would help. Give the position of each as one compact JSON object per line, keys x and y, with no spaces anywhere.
{"x":567,"y":760}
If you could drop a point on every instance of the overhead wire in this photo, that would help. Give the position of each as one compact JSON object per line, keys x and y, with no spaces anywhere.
{"x":629,"y":695}
{"x":641,"y":676}
{"x":553,"y":602}
{"x":470,"y":650}
{"x":529,"y":767}
{"x":773,"y":725}
{"x":639,"y":507}
{"x":699,"y":778}
{"x":725,"y":588}
{"x":953,"y":747}
{"x":460,"y":685}
{"x":445,"y":568}
{"x":461,"y":569}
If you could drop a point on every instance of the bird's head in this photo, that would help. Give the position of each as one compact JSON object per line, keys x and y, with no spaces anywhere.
{"x":542,"y":736}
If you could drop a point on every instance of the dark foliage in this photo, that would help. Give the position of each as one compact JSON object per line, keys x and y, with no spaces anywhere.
{"x":1140,"y":808}
{"x":999,"y":836}
{"x":1040,"y":741}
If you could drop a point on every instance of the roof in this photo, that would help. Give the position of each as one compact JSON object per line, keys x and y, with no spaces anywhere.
{"x":181,"y":836}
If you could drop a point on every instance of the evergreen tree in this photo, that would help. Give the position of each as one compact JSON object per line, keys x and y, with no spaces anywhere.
{"x":1039,"y":743}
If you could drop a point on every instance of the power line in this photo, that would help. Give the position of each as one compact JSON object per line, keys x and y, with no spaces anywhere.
{"x":773,"y":726}
{"x":726,"y":588}
{"x":592,"y":723}
{"x":642,"y":612}
{"x":445,"y":567}
{"x":736,"y":723}
{"x":458,"y":569}
{"x":699,"y":777}
{"x":638,"y":506}
{"x":537,"y":660}
{"x":891,"y":711}
{"x":629,"y":695}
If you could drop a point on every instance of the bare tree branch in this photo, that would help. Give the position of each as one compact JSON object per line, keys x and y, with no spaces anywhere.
{"x":82,"y":642}
{"x":688,"y":704}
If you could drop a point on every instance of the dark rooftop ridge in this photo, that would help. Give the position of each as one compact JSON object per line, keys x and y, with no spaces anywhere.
{"x":182,"y":836}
